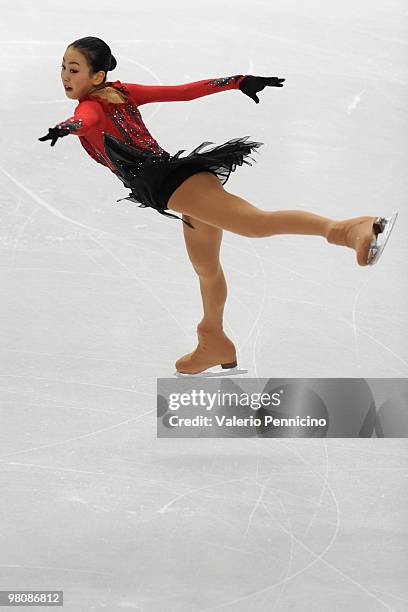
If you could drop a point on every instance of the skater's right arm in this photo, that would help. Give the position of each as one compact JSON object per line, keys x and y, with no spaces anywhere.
{"x":87,"y":115}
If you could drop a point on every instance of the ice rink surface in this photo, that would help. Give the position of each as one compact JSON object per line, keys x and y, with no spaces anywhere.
{"x":99,"y":299}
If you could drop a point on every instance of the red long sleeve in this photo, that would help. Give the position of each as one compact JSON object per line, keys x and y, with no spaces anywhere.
{"x":144,"y":94}
{"x":95,"y":115}
{"x":87,"y":115}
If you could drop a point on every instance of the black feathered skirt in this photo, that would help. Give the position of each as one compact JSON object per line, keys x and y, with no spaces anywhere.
{"x":153,"y":177}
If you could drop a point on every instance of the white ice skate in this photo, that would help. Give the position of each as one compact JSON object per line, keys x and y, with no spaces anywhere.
{"x":383,"y":227}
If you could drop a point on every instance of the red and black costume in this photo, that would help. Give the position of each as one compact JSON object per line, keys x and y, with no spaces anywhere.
{"x":114,"y":135}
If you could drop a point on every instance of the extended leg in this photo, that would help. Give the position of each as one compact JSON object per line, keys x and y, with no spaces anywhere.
{"x":203,"y":197}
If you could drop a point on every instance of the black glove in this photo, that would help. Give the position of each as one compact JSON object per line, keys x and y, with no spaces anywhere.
{"x":55,"y":133}
{"x":251,"y":84}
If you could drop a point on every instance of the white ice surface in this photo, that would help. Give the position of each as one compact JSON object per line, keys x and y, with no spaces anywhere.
{"x":99,"y":300}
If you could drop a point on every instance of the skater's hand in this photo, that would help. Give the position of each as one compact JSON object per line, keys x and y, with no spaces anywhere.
{"x":252,"y":84}
{"x":55,"y":133}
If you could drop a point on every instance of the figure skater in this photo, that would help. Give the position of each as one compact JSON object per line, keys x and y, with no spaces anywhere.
{"x":108,"y":123}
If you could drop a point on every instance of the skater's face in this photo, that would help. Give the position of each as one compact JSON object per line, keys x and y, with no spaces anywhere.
{"x":76,"y":75}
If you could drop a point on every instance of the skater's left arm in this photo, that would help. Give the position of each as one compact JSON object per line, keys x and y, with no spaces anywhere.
{"x":145,"y":94}
{"x":87,"y":115}
{"x":248,"y":84}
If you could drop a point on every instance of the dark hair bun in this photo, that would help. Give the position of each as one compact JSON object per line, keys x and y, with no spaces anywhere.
{"x":97,"y":53}
{"x":113,"y":63}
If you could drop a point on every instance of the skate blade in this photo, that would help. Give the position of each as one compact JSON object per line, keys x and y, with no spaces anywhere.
{"x":377,"y":246}
{"x":211,"y":372}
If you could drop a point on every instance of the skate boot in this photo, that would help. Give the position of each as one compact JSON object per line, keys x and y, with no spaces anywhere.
{"x":214,"y":348}
{"x":363,"y":234}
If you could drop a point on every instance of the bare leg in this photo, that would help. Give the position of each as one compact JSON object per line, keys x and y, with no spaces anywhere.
{"x":203,"y":247}
{"x":203,"y":197}
{"x":214,"y":347}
